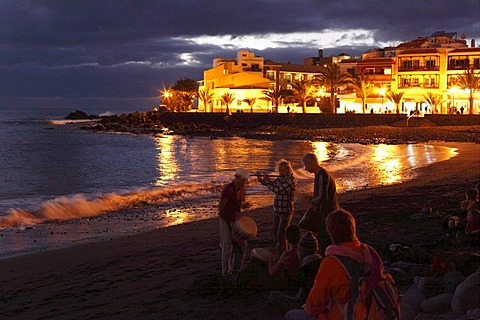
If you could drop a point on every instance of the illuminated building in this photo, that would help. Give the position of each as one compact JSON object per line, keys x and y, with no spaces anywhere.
{"x":426,"y":65}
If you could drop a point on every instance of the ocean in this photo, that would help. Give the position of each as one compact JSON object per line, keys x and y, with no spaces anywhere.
{"x":62,"y":185}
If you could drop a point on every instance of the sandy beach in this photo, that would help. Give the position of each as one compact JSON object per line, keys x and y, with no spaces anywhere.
{"x":174,"y":273}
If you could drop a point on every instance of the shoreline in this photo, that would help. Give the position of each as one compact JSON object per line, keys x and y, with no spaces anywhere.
{"x":173,"y":273}
{"x":143,"y":217}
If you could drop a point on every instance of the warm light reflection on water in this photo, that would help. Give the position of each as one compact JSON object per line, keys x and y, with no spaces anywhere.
{"x":200,"y":160}
{"x":390,"y":168}
{"x":176,"y":216}
{"x":167,"y":159}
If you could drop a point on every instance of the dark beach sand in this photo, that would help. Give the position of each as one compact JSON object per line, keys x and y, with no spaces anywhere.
{"x":174,"y":273}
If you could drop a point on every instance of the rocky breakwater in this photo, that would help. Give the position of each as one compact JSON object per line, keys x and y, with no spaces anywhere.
{"x":152,"y":122}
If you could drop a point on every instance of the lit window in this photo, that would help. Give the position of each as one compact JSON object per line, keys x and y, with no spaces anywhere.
{"x":271,"y":75}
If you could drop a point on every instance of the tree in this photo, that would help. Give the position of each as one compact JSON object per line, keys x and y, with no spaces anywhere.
{"x":181,"y":95}
{"x":206,"y":96}
{"x":363,"y":87}
{"x":470,"y":80}
{"x":228,"y":98}
{"x":276,"y":94}
{"x":434,"y":100}
{"x":302,"y":92}
{"x":250,"y":102}
{"x":396,"y":98}
{"x":333,"y":79}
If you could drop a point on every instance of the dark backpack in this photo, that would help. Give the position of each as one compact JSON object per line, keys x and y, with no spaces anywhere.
{"x":382,"y":302}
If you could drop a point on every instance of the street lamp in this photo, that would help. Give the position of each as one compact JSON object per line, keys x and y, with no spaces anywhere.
{"x":453,"y":90}
{"x":382,"y":91}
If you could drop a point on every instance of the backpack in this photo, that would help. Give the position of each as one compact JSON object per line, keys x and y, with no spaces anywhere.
{"x":382,"y":302}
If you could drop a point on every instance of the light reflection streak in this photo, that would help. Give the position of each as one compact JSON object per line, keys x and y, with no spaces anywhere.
{"x":389,"y":168}
{"x":167,"y":163}
{"x":177,"y":216}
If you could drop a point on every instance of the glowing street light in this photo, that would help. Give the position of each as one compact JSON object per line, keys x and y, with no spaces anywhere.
{"x":382,"y":92}
{"x":453,"y":90}
{"x":167,"y":94}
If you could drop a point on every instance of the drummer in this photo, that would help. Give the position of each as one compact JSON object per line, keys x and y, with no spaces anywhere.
{"x":289,"y":262}
{"x":231,"y":199}
{"x":284,"y":187}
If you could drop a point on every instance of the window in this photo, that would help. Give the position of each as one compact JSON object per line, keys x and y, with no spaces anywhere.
{"x":476,"y":63}
{"x":407,"y":64}
{"x":370,"y":71}
{"x":239,"y":102}
{"x":415,"y":82}
{"x":430,"y":63}
{"x":288,"y":77}
{"x":271,"y":75}
{"x":431,"y":82}
{"x":387,"y":71}
{"x":416,"y":63}
{"x":405,"y":82}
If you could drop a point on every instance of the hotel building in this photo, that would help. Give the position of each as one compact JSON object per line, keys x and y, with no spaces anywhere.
{"x":416,"y":68}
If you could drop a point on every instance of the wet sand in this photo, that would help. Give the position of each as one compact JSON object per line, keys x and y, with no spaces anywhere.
{"x":174,"y":273}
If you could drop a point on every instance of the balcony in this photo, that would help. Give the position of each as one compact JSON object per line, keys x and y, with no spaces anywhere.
{"x":418,"y":68}
{"x":418,"y":85}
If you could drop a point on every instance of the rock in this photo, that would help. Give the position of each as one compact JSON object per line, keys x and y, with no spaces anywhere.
{"x":428,"y":316}
{"x":429,"y":286}
{"x":467,"y":294}
{"x":439,"y":303}
{"x":408,"y":311}
{"x":451,"y":280}
{"x":473,"y":313}
{"x":79,"y":115}
{"x":413,"y":297}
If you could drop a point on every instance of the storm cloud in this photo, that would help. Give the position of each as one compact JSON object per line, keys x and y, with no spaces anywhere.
{"x":56,"y":50}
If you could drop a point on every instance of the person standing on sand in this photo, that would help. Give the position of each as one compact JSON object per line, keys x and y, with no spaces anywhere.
{"x":229,"y":207}
{"x":284,"y":188}
{"x":324,"y":196}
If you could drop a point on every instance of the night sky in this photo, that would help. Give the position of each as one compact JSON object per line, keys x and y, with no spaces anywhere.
{"x":68,"y":53}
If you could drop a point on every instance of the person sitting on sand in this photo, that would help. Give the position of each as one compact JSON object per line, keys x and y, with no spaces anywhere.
{"x":303,"y":282}
{"x":271,"y":273}
{"x":231,"y":199}
{"x":471,"y":200}
{"x":283,"y":204}
{"x":288,"y":263}
{"x":332,"y":287}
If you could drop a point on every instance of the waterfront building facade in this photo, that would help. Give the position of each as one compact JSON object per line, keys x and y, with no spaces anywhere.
{"x":419,"y":68}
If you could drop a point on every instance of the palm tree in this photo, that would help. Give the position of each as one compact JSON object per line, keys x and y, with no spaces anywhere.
{"x":333,"y":79}
{"x":302,"y":92}
{"x":363,"y":87}
{"x":396,"y":98}
{"x":470,"y":80}
{"x":276,"y":94}
{"x":434,"y":100}
{"x":206,"y":97}
{"x":250,"y":102}
{"x":228,"y":98}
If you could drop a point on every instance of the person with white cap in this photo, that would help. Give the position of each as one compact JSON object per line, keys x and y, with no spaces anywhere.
{"x":229,"y":208}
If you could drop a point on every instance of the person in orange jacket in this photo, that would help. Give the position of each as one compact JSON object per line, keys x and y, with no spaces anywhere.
{"x":332,"y":288}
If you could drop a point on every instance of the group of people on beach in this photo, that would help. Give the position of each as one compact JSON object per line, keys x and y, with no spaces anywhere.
{"x":319,"y":262}
{"x":463,"y":225}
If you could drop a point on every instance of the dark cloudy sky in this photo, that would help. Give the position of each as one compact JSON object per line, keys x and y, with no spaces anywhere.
{"x":70,"y":53}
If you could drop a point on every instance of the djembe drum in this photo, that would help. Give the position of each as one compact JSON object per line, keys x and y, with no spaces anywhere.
{"x":244,"y":228}
{"x":261,"y":257}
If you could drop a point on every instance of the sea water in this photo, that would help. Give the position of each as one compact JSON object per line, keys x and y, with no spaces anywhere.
{"x":53,"y":172}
